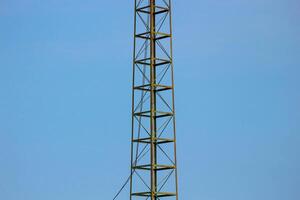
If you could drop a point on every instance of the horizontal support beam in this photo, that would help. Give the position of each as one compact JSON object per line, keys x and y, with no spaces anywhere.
{"x":155,"y":167}
{"x":156,"y":87}
{"x":158,"y":35}
{"x":155,"y":140}
{"x":158,"y":10}
{"x":158,"y":61}
{"x":157,"y":194}
{"x":157,"y":114}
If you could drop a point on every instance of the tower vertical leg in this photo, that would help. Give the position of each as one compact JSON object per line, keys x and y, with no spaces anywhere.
{"x":153,"y":101}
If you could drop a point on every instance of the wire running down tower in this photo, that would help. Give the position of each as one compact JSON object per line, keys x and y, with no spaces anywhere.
{"x":153,"y":149}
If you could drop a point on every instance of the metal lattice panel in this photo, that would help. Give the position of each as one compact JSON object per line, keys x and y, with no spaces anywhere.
{"x":153,"y":149}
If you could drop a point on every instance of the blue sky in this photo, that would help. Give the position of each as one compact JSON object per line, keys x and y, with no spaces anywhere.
{"x":65,"y":97}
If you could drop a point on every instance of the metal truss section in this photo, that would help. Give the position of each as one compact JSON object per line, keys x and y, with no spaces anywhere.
{"x":153,"y":143}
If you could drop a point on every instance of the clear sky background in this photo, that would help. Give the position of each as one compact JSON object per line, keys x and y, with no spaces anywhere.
{"x":65,"y":97}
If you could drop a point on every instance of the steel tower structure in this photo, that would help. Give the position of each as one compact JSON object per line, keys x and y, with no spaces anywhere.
{"x":153,"y":144}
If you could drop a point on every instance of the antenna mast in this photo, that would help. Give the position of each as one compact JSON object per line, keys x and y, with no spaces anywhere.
{"x":153,"y":144}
